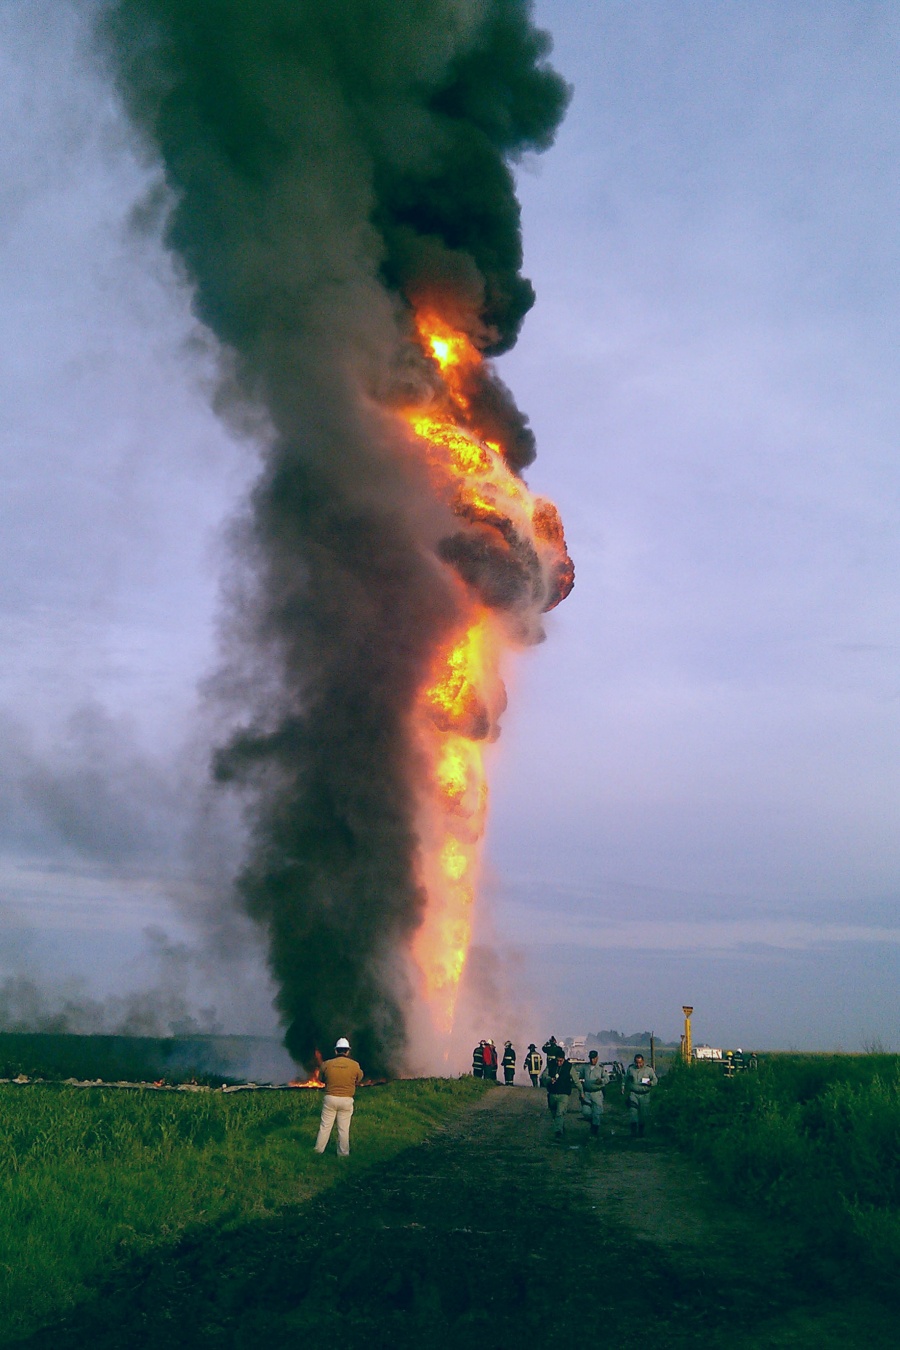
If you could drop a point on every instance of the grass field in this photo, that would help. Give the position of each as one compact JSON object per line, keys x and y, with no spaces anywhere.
{"x":812,"y":1138}
{"x":94,"y":1177}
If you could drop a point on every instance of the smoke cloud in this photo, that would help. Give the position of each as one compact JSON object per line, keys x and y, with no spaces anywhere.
{"x":328,"y":168}
{"x":165,"y":1009}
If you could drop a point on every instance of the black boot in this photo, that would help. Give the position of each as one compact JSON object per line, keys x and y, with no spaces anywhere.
{"x":595,"y":1130}
{"x":634,"y":1129}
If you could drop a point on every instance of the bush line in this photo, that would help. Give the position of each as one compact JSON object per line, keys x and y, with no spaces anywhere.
{"x":811,"y":1138}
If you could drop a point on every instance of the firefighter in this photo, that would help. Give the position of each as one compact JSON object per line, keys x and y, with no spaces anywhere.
{"x":534,"y":1063}
{"x":640,"y":1080}
{"x":557,"y":1079}
{"x":490,"y":1061}
{"x":593,"y":1078}
{"x":550,"y":1048}
{"x":478,"y":1060}
{"x":509,"y":1063}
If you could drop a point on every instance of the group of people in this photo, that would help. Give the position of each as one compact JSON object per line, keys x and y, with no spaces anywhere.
{"x":341,"y":1076}
{"x":562,"y":1078}
{"x":486,"y":1061}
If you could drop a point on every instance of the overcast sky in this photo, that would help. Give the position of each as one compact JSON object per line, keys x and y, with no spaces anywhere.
{"x":695,"y":794}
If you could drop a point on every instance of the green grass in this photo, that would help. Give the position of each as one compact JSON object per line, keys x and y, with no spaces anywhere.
{"x":95,"y":1176}
{"x":813,"y":1138}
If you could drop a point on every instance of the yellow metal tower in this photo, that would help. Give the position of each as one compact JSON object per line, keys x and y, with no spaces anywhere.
{"x":686,"y":1045}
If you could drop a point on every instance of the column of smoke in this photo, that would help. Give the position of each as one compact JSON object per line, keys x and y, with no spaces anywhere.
{"x":329,"y":167}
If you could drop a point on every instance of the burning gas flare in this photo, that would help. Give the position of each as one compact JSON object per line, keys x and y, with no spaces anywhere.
{"x":512,"y":564}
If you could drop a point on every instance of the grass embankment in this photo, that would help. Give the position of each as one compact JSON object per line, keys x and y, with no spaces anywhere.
{"x":94,"y":1177}
{"x":811,"y":1138}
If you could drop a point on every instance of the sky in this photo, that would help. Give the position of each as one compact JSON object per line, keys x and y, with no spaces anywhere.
{"x":694,"y":799}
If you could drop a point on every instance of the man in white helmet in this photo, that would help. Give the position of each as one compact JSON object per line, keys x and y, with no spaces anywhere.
{"x":341,"y":1076}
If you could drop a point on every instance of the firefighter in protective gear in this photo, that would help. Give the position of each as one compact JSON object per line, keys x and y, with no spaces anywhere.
{"x":490,"y":1060}
{"x":593,"y":1078}
{"x":478,"y":1060}
{"x":640,"y":1080}
{"x":509,"y":1063}
{"x":534,"y":1062}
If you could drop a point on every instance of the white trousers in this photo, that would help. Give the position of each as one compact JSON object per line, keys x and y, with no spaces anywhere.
{"x":340,"y":1108}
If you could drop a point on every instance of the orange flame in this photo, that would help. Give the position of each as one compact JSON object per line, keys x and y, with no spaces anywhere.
{"x":459,"y":705}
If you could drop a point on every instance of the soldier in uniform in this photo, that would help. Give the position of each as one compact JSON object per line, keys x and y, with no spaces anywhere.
{"x":593,"y":1078}
{"x":534,"y":1063}
{"x":640,"y":1080}
{"x":509,"y":1063}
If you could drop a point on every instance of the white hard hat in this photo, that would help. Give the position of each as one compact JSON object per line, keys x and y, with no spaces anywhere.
{"x":342,"y":1043}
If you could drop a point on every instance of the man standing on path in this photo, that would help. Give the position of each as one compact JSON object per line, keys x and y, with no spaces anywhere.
{"x":490,"y":1061}
{"x":509,"y":1063}
{"x":640,"y":1080}
{"x":478,"y":1060}
{"x":594,"y":1078}
{"x":534,"y":1063}
{"x":558,"y":1082}
{"x":341,"y":1076}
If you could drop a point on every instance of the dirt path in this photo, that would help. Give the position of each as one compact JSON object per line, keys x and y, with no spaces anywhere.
{"x":489,"y":1234}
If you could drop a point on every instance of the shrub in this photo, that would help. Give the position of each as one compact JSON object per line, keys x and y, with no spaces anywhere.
{"x":813,"y":1138}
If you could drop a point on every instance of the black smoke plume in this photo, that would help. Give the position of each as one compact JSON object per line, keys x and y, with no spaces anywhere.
{"x":329,"y":166}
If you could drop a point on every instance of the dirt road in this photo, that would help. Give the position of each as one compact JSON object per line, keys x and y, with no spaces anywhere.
{"x":492,"y":1234}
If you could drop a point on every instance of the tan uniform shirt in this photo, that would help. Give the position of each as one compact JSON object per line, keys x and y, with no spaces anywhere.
{"x":341,"y":1076}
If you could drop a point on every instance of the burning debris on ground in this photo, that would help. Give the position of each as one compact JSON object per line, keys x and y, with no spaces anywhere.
{"x":342,"y":203}
{"x":22,"y":1080}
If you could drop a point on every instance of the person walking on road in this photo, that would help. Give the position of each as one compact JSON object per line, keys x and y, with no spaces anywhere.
{"x":533,"y":1064}
{"x":341,"y":1076}
{"x":557,"y":1079}
{"x":509,"y":1063}
{"x":593,"y":1078}
{"x":640,"y":1080}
